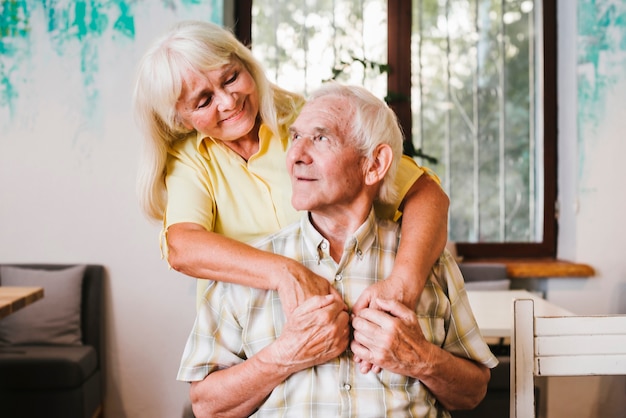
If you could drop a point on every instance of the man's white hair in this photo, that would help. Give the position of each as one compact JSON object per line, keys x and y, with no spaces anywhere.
{"x":372,"y":123}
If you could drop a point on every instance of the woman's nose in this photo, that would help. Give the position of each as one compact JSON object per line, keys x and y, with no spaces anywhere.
{"x":225,"y":100}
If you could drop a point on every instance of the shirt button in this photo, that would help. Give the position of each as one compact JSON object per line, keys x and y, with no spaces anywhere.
{"x":338,"y":277}
{"x":347,"y":387}
{"x":324,"y":245}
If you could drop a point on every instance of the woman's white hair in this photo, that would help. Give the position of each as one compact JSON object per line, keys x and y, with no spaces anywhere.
{"x":371,"y":124}
{"x":199,"y":47}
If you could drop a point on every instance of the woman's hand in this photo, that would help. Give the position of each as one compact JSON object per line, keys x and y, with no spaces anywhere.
{"x":392,"y":288}
{"x":298,"y":284}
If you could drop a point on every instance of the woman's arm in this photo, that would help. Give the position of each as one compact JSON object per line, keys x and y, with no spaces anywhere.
{"x":424,"y":235}
{"x":196,"y":252}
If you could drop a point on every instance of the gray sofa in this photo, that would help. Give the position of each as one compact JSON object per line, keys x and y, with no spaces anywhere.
{"x":55,"y":380}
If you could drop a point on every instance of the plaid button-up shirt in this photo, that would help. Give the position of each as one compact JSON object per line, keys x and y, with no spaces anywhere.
{"x":235,"y":322}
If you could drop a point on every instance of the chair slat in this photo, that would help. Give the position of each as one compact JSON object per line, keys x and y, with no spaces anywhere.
{"x":581,"y":365}
{"x":580,"y":325}
{"x":522,"y":397}
{"x":561,"y":346}
{"x":580,"y":345}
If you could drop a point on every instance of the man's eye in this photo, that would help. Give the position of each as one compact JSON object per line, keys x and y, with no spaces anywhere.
{"x":295,"y":136}
{"x":320,"y":138}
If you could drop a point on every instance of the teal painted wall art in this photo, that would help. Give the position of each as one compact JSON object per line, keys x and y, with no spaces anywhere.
{"x":601,"y":57}
{"x":45,"y":44}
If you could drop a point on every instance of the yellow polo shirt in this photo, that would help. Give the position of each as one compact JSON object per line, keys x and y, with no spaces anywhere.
{"x":210,"y":185}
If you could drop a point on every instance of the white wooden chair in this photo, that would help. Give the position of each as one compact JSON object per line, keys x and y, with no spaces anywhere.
{"x":561,"y":346}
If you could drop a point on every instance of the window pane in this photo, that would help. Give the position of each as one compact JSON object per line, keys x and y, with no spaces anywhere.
{"x":303,"y":43}
{"x":474,"y":86}
{"x":477,"y":80}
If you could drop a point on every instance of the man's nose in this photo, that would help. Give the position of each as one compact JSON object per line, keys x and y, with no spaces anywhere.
{"x":298,"y":151}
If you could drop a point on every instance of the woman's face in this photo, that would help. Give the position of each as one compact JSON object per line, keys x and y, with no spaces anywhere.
{"x":221,"y":103}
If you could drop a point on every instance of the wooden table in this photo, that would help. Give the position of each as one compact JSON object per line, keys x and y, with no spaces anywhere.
{"x":534,"y":268}
{"x":13,"y":298}
{"x":493,"y":310}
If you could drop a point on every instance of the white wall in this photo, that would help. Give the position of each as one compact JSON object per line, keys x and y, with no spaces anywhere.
{"x":593,"y":202}
{"x":591,"y":191}
{"x":67,"y":195}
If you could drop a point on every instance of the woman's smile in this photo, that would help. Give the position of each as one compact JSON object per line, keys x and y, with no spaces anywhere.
{"x":236,"y":116}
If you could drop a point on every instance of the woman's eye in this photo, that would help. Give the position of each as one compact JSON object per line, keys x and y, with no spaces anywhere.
{"x":205,"y":102}
{"x":233,"y":78}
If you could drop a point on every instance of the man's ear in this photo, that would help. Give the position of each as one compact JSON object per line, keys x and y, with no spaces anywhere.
{"x":379,"y":164}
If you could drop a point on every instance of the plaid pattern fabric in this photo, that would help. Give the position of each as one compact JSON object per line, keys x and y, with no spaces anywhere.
{"x":235,"y":322}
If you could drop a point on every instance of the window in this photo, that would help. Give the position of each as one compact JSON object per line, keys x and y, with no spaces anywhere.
{"x":473,"y":83}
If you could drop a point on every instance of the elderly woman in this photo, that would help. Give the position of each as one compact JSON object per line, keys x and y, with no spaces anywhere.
{"x":214,"y":172}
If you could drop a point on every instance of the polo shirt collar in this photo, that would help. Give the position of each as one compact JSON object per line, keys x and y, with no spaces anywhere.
{"x":359,"y":242}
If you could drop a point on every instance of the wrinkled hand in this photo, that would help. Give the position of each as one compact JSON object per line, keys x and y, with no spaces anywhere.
{"x":317,"y":331}
{"x":392,"y":288}
{"x":299,"y":285}
{"x":388,"y":337}
{"x":389,"y":289}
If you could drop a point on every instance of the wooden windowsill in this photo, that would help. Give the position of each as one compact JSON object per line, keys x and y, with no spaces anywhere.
{"x":533,"y":268}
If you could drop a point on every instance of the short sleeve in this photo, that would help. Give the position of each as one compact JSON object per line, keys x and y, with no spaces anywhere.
{"x":216,"y":338}
{"x":189,"y":192}
{"x":408,"y":173}
{"x":463,"y":338}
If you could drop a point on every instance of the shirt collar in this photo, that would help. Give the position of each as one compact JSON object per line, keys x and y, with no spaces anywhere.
{"x":359,"y":242}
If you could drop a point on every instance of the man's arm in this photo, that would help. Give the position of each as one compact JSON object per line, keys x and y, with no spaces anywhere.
{"x":391,"y":338}
{"x":316,"y":332}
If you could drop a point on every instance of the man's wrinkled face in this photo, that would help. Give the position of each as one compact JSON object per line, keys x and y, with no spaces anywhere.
{"x":326,"y":169}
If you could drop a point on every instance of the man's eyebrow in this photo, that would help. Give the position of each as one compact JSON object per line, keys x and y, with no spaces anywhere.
{"x":317,"y":130}
{"x":322,"y":130}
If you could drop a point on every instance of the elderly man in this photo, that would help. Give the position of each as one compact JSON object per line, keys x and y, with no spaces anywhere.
{"x":244,"y":358}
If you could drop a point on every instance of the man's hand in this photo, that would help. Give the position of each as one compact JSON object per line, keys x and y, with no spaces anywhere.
{"x":392,"y":288}
{"x":299,"y":284}
{"x":389,"y":337}
{"x":317,"y":331}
